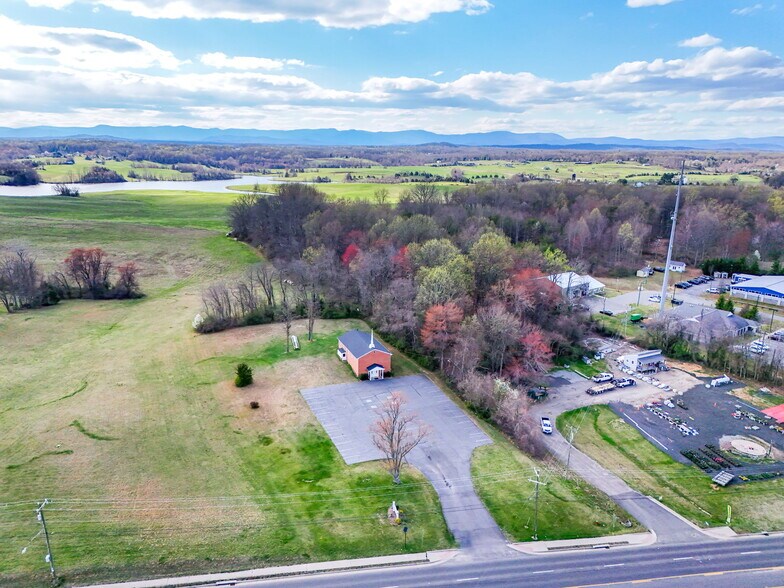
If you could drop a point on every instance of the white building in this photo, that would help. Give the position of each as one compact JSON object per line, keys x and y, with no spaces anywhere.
{"x":677,"y":266}
{"x":645,"y":362}
{"x":573,"y":285}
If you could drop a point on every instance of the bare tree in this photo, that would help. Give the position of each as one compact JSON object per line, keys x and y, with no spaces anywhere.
{"x":219,"y":303}
{"x":397,"y":432}
{"x":90,"y":269}
{"x":20,"y":281}
{"x":285,"y":309}
{"x":265,"y":275}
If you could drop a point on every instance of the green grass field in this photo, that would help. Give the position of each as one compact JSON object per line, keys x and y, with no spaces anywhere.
{"x":568,"y":507}
{"x":129,"y":421}
{"x":757,"y":506}
{"x":61,"y":172}
{"x":486,"y":170}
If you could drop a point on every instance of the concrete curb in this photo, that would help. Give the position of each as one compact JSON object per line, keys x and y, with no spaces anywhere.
{"x":281,"y":571}
{"x":712,"y":532}
{"x":611,"y":542}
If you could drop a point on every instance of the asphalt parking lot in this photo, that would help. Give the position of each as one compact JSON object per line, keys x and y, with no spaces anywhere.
{"x":347,"y":411}
{"x":709,"y":412}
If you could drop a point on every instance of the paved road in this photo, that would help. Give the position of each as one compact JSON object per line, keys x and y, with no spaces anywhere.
{"x":705,"y":563}
{"x":348,"y":410}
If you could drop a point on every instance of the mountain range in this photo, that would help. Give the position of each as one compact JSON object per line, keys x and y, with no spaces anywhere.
{"x":334,"y":137}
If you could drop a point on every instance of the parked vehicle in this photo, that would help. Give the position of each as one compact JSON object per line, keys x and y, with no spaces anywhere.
{"x":777,"y":336}
{"x":600,"y":389}
{"x":683,"y":285}
{"x":607,"y":312}
{"x":713,"y":291}
{"x":624,"y":382}
{"x":603,"y":377}
{"x":676,"y":301}
{"x":654,"y":298}
{"x":659,"y":269}
{"x":547,"y":426}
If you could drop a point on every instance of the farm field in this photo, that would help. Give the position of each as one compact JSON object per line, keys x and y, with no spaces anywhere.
{"x":487,"y":170}
{"x":61,"y":172}
{"x":358,"y":190}
{"x":616,"y":445}
{"x":129,"y":423}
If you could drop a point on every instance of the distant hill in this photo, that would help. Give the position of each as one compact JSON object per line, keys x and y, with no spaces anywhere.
{"x":324,"y":137}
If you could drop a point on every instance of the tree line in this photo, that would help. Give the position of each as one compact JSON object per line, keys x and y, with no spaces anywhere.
{"x":85,"y":273}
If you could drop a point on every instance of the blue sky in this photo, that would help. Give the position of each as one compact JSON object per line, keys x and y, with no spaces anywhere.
{"x":643,"y":68}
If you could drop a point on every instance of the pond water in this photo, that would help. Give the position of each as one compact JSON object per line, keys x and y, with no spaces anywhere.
{"x":206,"y":186}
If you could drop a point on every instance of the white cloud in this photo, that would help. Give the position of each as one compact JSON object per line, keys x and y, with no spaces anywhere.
{"x":747,"y":10}
{"x":222,"y":61}
{"x":57,"y":75}
{"x":352,"y":14}
{"x":586,"y":16}
{"x":643,"y":3}
{"x":79,"y":48}
{"x":700,"y":41}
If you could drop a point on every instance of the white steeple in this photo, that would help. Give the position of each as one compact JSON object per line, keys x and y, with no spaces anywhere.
{"x":372,"y":340}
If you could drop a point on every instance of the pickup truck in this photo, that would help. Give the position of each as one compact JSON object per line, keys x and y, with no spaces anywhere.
{"x":603,"y":377}
{"x":547,"y":426}
{"x":624,"y":382}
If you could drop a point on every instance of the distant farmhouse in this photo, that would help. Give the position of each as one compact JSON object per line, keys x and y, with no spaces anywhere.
{"x":767,"y":289}
{"x":574,"y":285}
{"x":366,"y":355}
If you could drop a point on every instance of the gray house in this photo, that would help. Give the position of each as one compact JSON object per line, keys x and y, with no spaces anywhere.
{"x":713,"y":324}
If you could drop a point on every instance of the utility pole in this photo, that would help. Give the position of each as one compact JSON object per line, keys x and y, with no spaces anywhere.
{"x":536,"y":483}
{"x":674,"y":217}
{"x":42,"y":519}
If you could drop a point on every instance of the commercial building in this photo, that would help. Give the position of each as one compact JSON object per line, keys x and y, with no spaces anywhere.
{"x":645,"y":362}
{"x":573,"y":285}
{"x":763,"y":289}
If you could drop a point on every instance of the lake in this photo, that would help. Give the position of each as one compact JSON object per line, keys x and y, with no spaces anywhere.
{"x":206,"y":186}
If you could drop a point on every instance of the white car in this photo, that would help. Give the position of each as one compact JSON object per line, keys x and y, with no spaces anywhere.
{"x":547,"y":426}
{"x":654,"y":298}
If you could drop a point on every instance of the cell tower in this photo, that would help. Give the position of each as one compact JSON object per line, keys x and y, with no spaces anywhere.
{"x":672,"y":240}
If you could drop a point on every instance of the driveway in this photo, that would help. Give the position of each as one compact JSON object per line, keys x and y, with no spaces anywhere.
{"x":346,"y":411}
{"x":668,"y":527}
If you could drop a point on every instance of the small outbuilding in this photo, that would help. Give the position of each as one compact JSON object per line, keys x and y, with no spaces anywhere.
{"x":677,"y":266}
{"x":366,"y":355}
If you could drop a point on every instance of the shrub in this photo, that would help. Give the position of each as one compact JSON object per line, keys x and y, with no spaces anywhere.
{"x":244,"y":376}
{"x":254,"y":404}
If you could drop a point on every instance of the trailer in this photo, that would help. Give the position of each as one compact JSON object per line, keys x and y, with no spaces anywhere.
{"x":600,"y":389}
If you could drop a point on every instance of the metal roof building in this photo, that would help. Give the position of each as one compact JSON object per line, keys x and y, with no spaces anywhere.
{"x":768,"y":289}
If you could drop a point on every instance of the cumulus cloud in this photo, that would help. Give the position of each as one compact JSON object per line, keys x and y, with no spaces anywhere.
{"x":53,"y":74}
{"x":222,"y":61}
{"x":351,"y":14}
{"x":79,"y":48}
{"x":700,"y":41}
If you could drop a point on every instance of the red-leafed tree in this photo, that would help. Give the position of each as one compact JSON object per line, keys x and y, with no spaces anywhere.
{"x":90,"y":270}
{"x":442,"y":323}
{"x":532,"y":357}
{"x":349,"y":254}
{"x":127,"y":281}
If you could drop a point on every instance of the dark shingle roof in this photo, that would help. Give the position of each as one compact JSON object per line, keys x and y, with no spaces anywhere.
{"x":358,"y":343}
